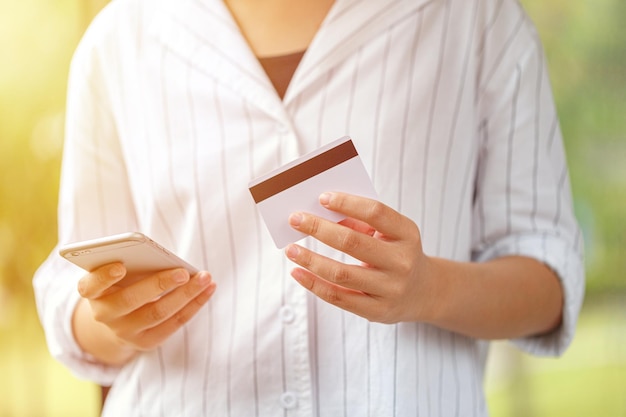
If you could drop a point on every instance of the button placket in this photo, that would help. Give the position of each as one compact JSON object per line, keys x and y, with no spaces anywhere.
{"x":282,"y":129}
{"x":296,"y":392}
{"x":287,"y":314}
{"x":289,"y":146}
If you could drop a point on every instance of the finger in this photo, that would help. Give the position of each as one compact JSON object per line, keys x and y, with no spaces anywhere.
{"x":142,"y":292}
{"x":354,"y":243}
{"x":154,"y":336}
{"x":154,"y":313}
{"x":358,"y":225}
{"x":357,"y":302}
{"x":387,"y":221}
{"x":354,"y":277}
{"x":101,"y":279}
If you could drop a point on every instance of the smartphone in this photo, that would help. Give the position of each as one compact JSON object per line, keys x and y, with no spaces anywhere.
{"x":140,"y":255}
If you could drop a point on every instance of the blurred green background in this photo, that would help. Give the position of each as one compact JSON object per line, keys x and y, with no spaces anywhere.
{"x":586,"y":51}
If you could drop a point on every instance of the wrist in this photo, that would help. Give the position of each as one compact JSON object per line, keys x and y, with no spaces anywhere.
{"x":97,"y":340}
{"x":504,"y":298}
{"x":436,"y":278}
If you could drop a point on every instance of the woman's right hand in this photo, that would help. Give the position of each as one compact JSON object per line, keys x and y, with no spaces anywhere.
{"x":113,"y":322}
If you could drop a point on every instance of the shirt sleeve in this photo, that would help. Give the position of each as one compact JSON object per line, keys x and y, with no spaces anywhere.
{"x":56,"y":294}
{"x":523,"y":202}
{"x":94,"y":197}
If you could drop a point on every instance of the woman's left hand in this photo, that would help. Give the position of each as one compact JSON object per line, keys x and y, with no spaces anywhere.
{"x":395,"y":281}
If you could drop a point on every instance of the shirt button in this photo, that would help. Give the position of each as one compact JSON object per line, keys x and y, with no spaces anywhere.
{"x":282,"y":129}
{"x":286,"y":314}
{"x":288,"y":400}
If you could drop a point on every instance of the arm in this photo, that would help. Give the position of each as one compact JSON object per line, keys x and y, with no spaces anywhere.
{"x":93,"y":185}
{"x":504,"y":298}
{"x":507,"y":297}
{"x":94,"y":334}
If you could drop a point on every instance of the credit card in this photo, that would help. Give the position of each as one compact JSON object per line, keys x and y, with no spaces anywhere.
{"x":297,"y":186}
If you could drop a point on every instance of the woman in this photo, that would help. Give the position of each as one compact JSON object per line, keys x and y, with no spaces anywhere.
{"x":174,"y":106}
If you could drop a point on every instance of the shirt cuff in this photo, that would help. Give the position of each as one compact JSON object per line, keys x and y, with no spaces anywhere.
{"x":56,"y":305}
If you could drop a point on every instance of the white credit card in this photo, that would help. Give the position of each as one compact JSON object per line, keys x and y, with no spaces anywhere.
{"x":298,"y":185}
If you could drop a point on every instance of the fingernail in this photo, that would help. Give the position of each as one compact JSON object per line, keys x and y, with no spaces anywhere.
{"x":81,"y":288}
{"x":324,"y":199}
{"x":292,"y":251}
{"x":295,"y":219}
{"x":116,"y":271}
{"x":204,"y":278}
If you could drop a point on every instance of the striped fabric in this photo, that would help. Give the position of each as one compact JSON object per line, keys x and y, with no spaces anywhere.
{"x":170,"y":115}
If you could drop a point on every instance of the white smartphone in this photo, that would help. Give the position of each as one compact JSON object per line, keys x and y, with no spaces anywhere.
{"x":140,"y":255}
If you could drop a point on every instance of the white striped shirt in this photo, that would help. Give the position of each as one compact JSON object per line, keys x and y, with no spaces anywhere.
{"x":170,"y":115}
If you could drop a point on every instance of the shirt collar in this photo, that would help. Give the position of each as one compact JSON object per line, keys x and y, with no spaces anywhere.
{"x":349,"y":25}
{"x":204,"y":35}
